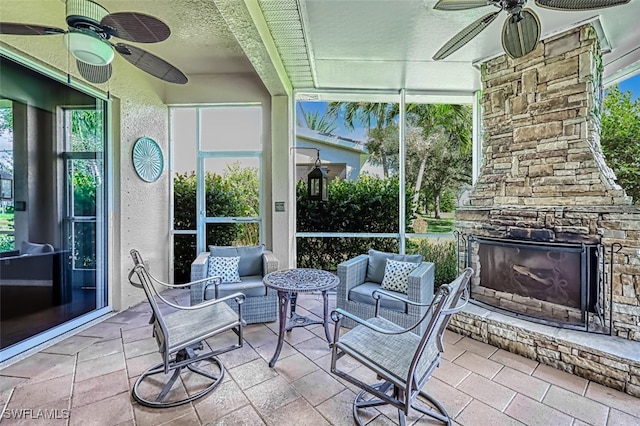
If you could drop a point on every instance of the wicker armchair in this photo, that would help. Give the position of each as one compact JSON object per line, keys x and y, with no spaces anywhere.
{"x":403,"y":360}
{"x":261,"y":304}
{"x":362,"y":275}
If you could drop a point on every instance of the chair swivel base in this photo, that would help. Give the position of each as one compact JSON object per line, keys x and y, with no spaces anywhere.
{"x":185,"y":358}
{"x":438,"y":412}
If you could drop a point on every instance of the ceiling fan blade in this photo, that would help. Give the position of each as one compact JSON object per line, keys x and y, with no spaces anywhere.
{"x":94,"y":73}
{"x":521,"y":36}
{"x":138,"y":27}
{"x":579,"y":4}
{"x":28,"y":29}
{"x":461,"y":4}
{"x":150,"y":63}
{"x":465,"y":36}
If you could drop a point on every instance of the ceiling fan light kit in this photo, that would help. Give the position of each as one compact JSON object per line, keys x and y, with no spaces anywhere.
{"x":88,"y":47}
{"x":521,"y":30}
{"x":90,"y":29}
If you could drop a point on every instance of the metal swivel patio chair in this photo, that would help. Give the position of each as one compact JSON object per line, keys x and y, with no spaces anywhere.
{"x":403,"y":360}
{"x":180,"y":334}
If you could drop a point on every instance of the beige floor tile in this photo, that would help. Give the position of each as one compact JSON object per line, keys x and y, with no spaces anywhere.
{"x":225,"y":399}
{"x":453,"y":400}
{"x":31,"y":395}
{"x":135,"y":366}
{"x":51,"y":413}
{"x":99,"y":388}
{"x":71,"y":345}
{"x":260,"y":336}
{"x":515,"y":361}
{"x":483,"y":389}
{"x":116,"y":409}
{"x":267,"y":351}
{"x":145,"y":416}
{"x":101,"y":348}
{"x":139,"y":333}
{"x":577,"y":406}
{"x":618,"y":418}
{"x":271,"y":395}
{"x":99,"y":366}
{"x":298,"y":412}
{"x":314,"y":348}
{"x":338,"y":410}
{"x":35,"y":364}
{"x":560,"y":378}
{"x":318,"y":386}
{"x":190,"y":419}
{"x":527,"y":385}
{"x":104,"y":330}
{"x":478,"y":364}
{"x":252,"y":373}
{"x":451,"y":351}
{"x":62,"y":368}
{"x":614,"y":398}
{"x":479,"y":348}
{"x":297,"y":335}
{"x":450,"y":373}
{"x":533,"y":413}
{"x":478,"y":413}
{"x":244,"y":416}
{"x":452,"y":337}
{"x":238,"y":356}
{"x":140,"y":347}
{"x":294,"y":367}
{"x":8,"y":383}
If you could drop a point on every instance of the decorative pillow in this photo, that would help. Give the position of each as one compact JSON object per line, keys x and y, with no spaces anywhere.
{"x":250,"y":257}
{"x":396,"y":275}
{"x":378,"y":263}
{"x":225,"y":268}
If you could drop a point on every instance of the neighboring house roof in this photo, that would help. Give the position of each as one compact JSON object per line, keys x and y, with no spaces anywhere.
{"x":333,"y":140}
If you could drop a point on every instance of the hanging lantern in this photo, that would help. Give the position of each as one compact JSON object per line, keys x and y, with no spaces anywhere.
{"x":318,"y":183}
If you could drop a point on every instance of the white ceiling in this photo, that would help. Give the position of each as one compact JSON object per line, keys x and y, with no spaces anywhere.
{"x":333,"y":44}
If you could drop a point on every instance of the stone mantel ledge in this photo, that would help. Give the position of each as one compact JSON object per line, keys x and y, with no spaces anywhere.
{"x":517,"y":208}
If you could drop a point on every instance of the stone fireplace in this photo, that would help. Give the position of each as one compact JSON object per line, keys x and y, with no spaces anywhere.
{"x":544,"y":183}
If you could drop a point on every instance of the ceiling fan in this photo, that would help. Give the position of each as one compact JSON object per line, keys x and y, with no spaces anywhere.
{"x":91,"y":28}
{"x":521,"y":29}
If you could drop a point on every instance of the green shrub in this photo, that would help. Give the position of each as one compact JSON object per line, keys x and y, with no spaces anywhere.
{"x":442,"y":253}
{"x":366,"y":205}
{"x":232,"y":194}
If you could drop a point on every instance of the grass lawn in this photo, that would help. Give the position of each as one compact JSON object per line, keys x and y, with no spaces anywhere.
{"x":439,"y":225}
{"x":5,"y":220}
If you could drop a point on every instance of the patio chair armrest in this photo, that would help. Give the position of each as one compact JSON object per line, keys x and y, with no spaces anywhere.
{"x":420,"y":284}
{"x":337,"y":314}
{"x":199,"y":271}
{"x":269,"y":262}
{"x":352,"y":273}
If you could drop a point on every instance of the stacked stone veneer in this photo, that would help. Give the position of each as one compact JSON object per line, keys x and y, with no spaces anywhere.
{"x":543,"y":178}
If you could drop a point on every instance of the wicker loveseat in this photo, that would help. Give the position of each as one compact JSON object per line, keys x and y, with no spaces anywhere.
{"x":261,"y":304}
{"x":362,"y":275}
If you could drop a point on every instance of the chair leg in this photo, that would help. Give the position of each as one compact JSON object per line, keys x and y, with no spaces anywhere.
{"x":185,"y":358}
{"x":361,"y":402}
{"x":441,"y":413}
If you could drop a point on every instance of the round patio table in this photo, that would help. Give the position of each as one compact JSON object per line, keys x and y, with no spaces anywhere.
{"x":301,"y":280}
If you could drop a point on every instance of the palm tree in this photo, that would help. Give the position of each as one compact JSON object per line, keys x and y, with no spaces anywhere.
{"x":321,"y":123}
{"x":375,"y":116}
{"x":434,"y":120}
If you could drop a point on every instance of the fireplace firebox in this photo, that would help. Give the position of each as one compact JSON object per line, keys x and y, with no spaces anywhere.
{"x":551,"y":283}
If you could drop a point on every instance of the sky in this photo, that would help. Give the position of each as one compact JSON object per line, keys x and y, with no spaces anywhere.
{"x":632,"y":84}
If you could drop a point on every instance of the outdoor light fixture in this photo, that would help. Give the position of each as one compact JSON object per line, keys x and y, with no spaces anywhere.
{"x":317,"y":179}
{"x":88,"y":47}
{"x":318,"y":182}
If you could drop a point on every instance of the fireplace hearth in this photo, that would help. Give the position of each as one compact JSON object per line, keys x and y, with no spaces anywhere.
{"x":551,"y":283}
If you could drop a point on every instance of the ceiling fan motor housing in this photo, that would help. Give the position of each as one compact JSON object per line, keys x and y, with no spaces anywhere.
{"x":86,"y":39}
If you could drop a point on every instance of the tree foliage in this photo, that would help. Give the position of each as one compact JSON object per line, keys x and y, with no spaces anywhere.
{"x":620,"y":139}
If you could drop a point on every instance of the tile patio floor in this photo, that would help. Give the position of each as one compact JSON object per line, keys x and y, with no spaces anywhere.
{"x":91,"y":373}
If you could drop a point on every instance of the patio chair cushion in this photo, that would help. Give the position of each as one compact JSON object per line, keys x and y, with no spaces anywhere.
{"x":363,"y":294}
{"x":35,"y":248}
{"x":250,"y":257}
{"x":378,"y":263}
{"x":396,"y":275}
{"x":225,"y":268}
{"x":251,"y":286}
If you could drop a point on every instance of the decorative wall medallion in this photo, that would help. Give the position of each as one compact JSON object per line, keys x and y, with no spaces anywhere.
{"x":147,"y":159}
